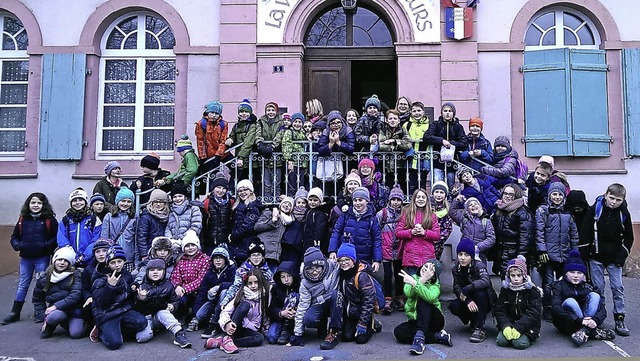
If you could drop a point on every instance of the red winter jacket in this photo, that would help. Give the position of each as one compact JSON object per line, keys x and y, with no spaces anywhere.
{"x":415,"y":249}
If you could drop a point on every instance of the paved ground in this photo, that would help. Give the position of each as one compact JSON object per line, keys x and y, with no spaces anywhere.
{"x":21,"y":340}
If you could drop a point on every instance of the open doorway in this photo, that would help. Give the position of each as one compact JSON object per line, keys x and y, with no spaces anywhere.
{"x":370,"y":77}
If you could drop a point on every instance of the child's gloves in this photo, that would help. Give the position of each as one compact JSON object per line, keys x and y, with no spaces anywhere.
{"x":508,"y":333}
{"x":515,"y":334}
{"x":361,"y":330}
{"x":543,"y":258}
{"x":296,"y":341}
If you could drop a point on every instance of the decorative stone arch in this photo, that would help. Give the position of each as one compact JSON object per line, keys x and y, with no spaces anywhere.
{"x":306,"y":10}
{"x":28,"y":20}
{"x":598,"y":13}
{"x":107,"y":13}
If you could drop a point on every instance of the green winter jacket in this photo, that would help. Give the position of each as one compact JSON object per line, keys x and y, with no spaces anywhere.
{"x":286,"y":140}
{"x":416,"y":129}
{"x":266,"y":131}
{"x":244,"y":132}
{"x":188,"y":168}
{"x":430,"y":292}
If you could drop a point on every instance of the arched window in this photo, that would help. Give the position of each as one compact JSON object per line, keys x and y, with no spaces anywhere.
{"x":137,"y":87}
{"x":335,"y":27}
{"x":14,"y":68}
{"x":558,"y":28}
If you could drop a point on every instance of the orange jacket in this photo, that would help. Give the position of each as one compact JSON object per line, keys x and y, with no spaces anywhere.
{"x":211,"y":142}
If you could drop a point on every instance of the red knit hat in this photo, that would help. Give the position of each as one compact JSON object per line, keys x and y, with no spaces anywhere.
{"x":476,"y":121}
{"x":368,"y":162}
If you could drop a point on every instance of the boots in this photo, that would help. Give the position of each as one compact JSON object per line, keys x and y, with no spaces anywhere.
{"x":14,"y":315}
{"x":400,"y":301}
{"x":621,"y":329}
{"x":388,"y":306}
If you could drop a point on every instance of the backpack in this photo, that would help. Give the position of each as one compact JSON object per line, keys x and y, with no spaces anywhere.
{"x":522,"y":169}
{"x":378,"y":302}
{"x":383,"y":197}
{"x":47,"y":223}
{"x":203,"y":124}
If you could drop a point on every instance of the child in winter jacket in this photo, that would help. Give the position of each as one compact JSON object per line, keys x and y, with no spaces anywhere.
{"x":391,"y":257}
{"x":368,"y":126}
{"x":151,"y":172}
{"x":269,"y":125}
{"x":246,"y":317}
{"x":479,"y":147}
{"x":183,"y":216}
{"x":291,"y":240}
{"x":285,"y":297}
{"x":119,"y":224}
{"x":417,"y":230}
{"x":345,"y":198}
{"x":538,"y":186}
{"x":505,"y":163}
{"x":556,"y":236}
{"x":100,"y":249}
{"x":97,"y":206}
{"x":189,"y":273}
{"x":518,"y":309}
{"x":425,"y":321}
{"x":316,"y":221}
{"x":161,"y":247}
{"x":415,"y":127}
{"x":79,"y":228}
{"x":481,"y":187}
{"x":372,"y":180}
{"x":245,"y":213}
{"x":217,"y":208}
{"x":34,"y":236}
{"x":112,"y":304}
{"x":152,"y":222}
{"x":292,"y":151}
{"x":271,"y":226}
{"x":212,"y":289}
{"x":474,"y":224}
{"x":156,"y":299}
{"x":58,"y":295}
{"x":472,"y":287}
{"x":440,"y":207}
{"x":577,"y":308}
{"x":188,"y":167}
{"x":211,"y":135}
{"x":393,"y":138}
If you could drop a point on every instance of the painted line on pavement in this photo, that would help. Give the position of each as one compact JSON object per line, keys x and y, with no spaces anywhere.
{"x":617,"y":349}
{"x":194,"y":358}
{"x":441,"y":354}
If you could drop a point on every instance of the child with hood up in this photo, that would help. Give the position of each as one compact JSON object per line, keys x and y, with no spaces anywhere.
{"x":391,"y":256}
{"x":285,"y":297}
{"x":425,"y":321}
{"x":189,"y":272}
{"x":518,"y":310}
{"x":183,"y":216}
{"x":58,"y":294}
{"x":271,"y":226}
{"x":156,"y":299}
{"x":475,"y":225}
{"x":161,"y":248}
{"x":79,"y":228}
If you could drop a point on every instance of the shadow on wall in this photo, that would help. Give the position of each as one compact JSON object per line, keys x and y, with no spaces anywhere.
{"x":9,"y":259}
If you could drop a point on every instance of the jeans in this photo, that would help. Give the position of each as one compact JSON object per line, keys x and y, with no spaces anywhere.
{"x":205,"y":311}
{"x":391,"y":270}
{"x":588,"y":309}
{"x":429,"y":320}
{"x":27,"y":267}
{"x":130,"y":322}
{"x":460,"y":309}
{"x":73,"y":324}
{"x":550,"y":272}
{"x":615,"y":281}
{"x":317,"y":314}
{"x":438,"y":175}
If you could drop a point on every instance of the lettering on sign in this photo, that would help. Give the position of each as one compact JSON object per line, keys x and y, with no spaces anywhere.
{"x":425,"y":19}
{"x":272,"y":19}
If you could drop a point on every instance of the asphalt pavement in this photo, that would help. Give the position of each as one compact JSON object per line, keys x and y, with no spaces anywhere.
{"x":21,"y":340}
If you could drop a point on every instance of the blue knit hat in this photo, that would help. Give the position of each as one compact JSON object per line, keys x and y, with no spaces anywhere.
{"x":245,"y":105}
{"x":124,"y":193}
{"x":111,"y":166}
{"x":297,"y":116}
{"x":214,"y":106}
{"x":333,"y":115}
{"x":372,"y":101}
{"x":116,"y":251}
{"x":574,"y":263}
{"x":220,"y":251}
{"x":466,"y":245}
{"x":347,"y":250}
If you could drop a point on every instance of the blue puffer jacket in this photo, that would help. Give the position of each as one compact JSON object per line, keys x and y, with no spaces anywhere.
{"x":363,"y":232}
{"x":33,"y":239}
{"x":483,"y":145}
{"x":488,"y":194}
{"x":110,"y":301}
{"x":80,"y":236}
{"x":223,"y":278}
{"x":112,"y":226}
{"x":148,"y":228}
{"x":244,"y":219}
{"x":347,"y":141}
{"x":65,"y":295}
{"x":556,"y":232}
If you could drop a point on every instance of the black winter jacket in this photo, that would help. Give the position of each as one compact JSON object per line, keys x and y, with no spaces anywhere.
{"x":564,"y":320}
{"x":441,"y":130}
{"x":314,"y":233}
{"x":521,"y":310}
{"x":65,"y":295}
{"x":219,"y":223}
{"x":280,"y":292}
{"x":161,"y":294}
{"x":244,"y":218}
{"x":147,"y":183}
{"x":224,"y":278}
{"x":35,"y":240}
{"x":515,"y":233}
{"x":361,"y":298}
{"x":467,"y":280}
{"x":148,"y":228}
{"x":109,"y":301}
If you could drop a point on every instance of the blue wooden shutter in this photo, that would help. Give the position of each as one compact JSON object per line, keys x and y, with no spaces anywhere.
{"x":546,"y":94}
{"x":62,"y":106}
{"x":631,"y":81}
{"x":589,"y":112}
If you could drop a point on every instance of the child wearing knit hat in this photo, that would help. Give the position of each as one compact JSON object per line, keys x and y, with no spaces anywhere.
{"x":269,"y":126}
{"x":391,"y":256}
{"x":577,"y":308}
{"x":211,"y":134}
{"x":119,"y":225}
{"x":188,"y":167}
{"x":290,"y":140}
{"x":425,"y":323}
{"x":479,"y":151}
{"x":243,"y":130}
{"x":473,"y":290}
{"x":110,"y":184}
{"x":79,"y":227}
{"x":314,"y":232}
{"x":368,"y":126}
{"x":97,"y":206}
{"x":479,"y":186}
{"x":518,"y":309}
{"x":217,"y":208}
{"x":151,"y":172}
{"x":440,"y":207}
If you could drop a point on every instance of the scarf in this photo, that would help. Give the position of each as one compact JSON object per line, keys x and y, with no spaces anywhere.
{"x":510,"y":206}
{"x":251,"y":295}
{"x":221,"y":201}
{"x":440,"y":210}
{"x":162,"y":214}
{"x":299,"y":213}
{"x":59,"y":276}
{"x":526,"y":284}
{"x":358,"y":214}
{"x":35,"y":215}
{"x":286,"y":218}
{"x":180,"y":209}
{"x":77,"y":216}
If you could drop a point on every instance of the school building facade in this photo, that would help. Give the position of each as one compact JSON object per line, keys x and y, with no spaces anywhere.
{"x":85,"y":82}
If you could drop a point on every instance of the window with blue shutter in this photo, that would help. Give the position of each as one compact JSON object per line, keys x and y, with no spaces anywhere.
{"x":62,"y":106}
{"x":631,"y":82}
{"x":565,"y":93}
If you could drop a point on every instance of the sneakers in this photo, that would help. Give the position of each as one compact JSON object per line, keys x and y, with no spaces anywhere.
{"x":400,"y":300}
{"x":331,"y":341}
{"x":377,"y":326}
{"x":388,"y":306}
{"x":94,"y":336}
{"x":478,"y":335}
{"x":213,"y":342}
{"x":193,"y":325}
{"x":284,"y":337}
{"x":621,"y":329}
{"x":418,"y":346}
{"x":208,"y":332}
{"x":603,"y":334}
{"x":227,"y":345}
{"x":181,"y":340}
{"x":47,"y":330}
{"x":443,"y":337}
{"x":579,"y":337}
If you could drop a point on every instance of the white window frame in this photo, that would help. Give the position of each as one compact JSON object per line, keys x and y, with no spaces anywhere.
{"x":559,"y":29}
{"x":13,"y":55}
{"x":140,"y":56}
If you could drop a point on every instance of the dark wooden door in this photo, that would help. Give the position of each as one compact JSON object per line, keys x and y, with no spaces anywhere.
{"x":330,"y":82}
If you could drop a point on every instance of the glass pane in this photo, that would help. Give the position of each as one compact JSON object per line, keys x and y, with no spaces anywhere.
{"x":115,"y":39}
{"x":7,"y":43}
{"x":120,"y":93}
{"x":571,"y":21}
{"x":159,"y":93}
{"x":322,"y":32}
{"x":132,"y":41}
{"x":160,"y":70}
{"x":381,"y":34}
{"x":361,"y":37}
{"x":157,"y":139}
{"x":129,"y":24}
{"x":120,"y":70}
{"x":13,"y":117}
{"x":23,"y":40}
{"x":167,"y":41}
{"x":549,"y":38}
{"x":117,"y":140}
{"x":532,"y":38}
{"x":151,"y":42}
{"x":570,"y":38}
{"x":12,"y":141}
{"x":545,"y":21}
{"x":13,"y":94}
{"x":585,"y":35}
{"x":12,"y":25}
{"x":119,"y":117}
{"x":162,"y":116}
{"x":15,"y":70}
{"x":155,"y":24}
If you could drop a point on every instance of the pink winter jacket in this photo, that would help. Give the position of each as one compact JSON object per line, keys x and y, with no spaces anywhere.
{"x":416,"y":250}
{"x":189,"y":273}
